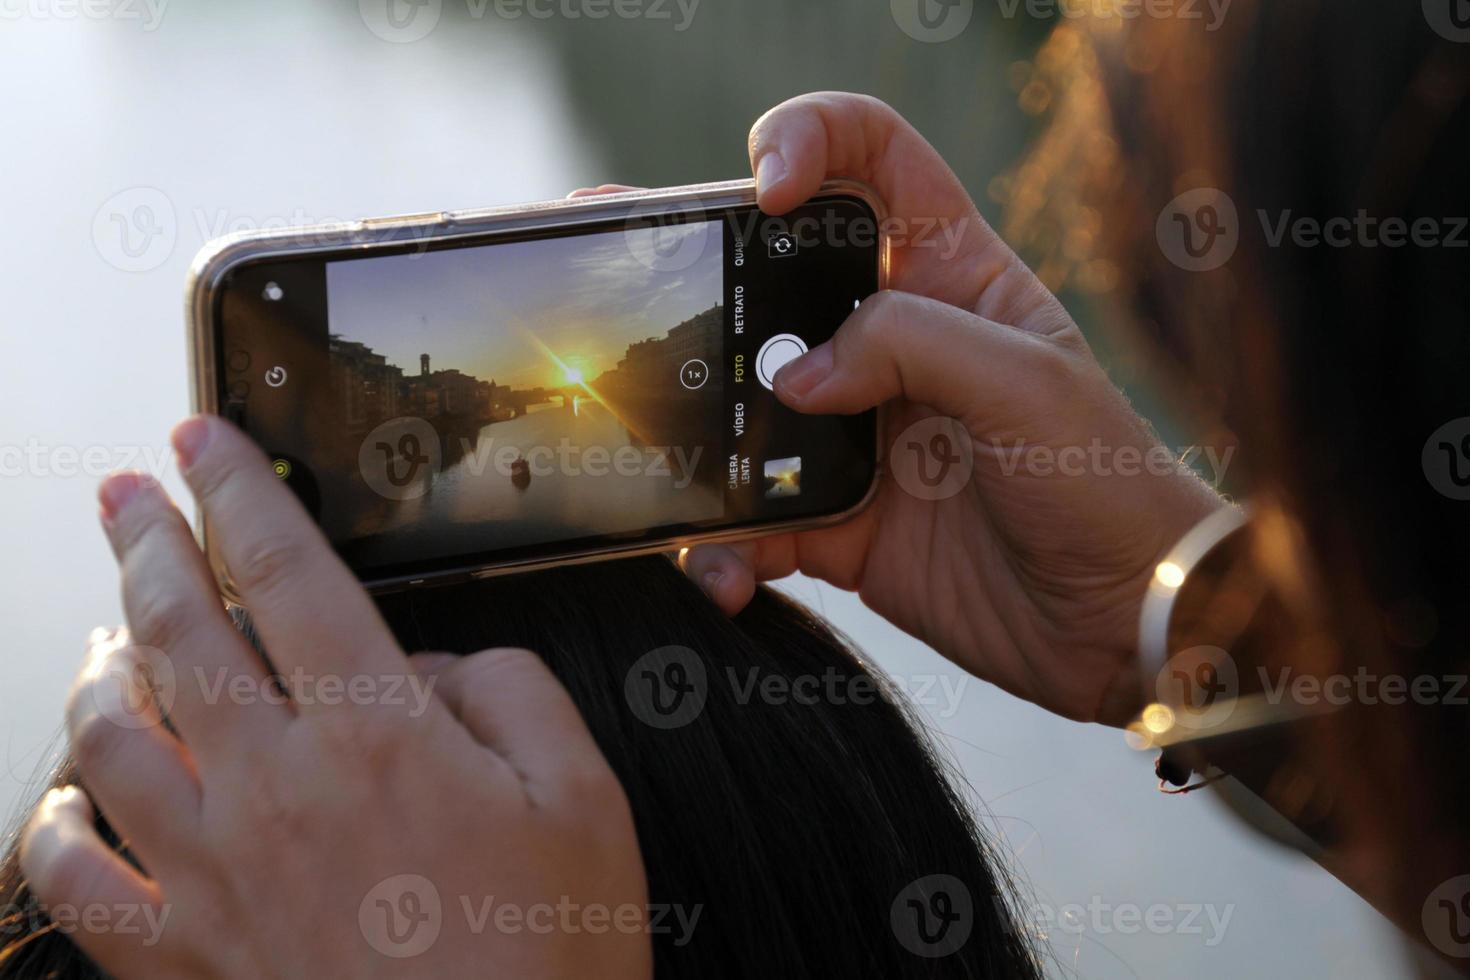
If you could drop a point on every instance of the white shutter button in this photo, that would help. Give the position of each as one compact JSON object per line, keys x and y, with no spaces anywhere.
{"x":774,"y":354}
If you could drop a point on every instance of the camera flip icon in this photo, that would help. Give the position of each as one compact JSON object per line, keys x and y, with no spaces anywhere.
{"x":781,"y":245}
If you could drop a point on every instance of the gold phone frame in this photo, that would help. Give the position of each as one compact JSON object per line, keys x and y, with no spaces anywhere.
{"x":221,"y":255}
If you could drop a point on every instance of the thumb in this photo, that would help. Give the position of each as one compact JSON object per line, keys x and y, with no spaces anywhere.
{"x":901,"y":345}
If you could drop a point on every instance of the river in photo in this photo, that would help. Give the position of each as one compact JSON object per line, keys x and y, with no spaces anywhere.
{"x":584,"y":474}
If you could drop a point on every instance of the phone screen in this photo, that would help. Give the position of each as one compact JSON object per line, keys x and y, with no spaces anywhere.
{"x":453,"y":405}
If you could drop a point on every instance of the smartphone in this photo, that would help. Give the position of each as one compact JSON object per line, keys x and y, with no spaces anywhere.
{"x":458,"y":394}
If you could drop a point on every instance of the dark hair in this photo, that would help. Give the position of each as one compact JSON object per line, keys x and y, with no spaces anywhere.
{"x":1331,"y":365}
{"x":794,"y":827}
{"x":1335,"y":365}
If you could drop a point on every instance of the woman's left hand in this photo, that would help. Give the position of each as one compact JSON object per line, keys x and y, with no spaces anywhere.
{"x":453,"y":821}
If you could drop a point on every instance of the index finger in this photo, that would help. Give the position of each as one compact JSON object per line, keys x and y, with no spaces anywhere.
{"x":307,"y":605}
{"x":803,"y":141}
{"x":821,"y":135}
{"x":946,"y":250}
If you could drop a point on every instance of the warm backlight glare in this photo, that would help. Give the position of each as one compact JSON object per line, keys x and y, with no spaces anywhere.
{"x":1158,"y":718}
{"x":1169,"y":574}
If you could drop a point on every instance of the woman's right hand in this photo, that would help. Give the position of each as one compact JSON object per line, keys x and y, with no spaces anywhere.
{"x":1031,"y":571}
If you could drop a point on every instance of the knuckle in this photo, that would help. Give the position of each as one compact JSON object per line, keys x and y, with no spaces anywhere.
{"x":1058,"y":365}
{"x":859,"y":109}
{"x":1072,"y":342}
{"x":152,"y":525}
{"x":95,"y":739}
{"x":278,"y":807}
{"x":272,"y":811}
{"x":498,"y":669}
{"x":69,"y":877}
{"x":592,"y":785}
{"x":870,"y":104}
{"x":212,"y":472}
{"x":159,"y":616}
{"x":879,"y":318}
{"x":884,"y":305}
{"x":266,"y":563}
{"x":369,"y":739}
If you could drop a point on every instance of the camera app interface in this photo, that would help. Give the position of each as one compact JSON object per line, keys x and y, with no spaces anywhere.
{"x":523,"y":397}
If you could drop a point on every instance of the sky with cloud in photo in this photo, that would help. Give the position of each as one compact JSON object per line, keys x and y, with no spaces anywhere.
{"x":585,"y":297}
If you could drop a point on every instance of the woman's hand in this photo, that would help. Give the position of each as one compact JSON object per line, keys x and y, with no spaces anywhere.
{"x":452,"y":821}
{"x":1030,"y":573}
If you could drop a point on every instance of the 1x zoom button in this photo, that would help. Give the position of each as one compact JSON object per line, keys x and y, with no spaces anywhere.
{"x":694,"y":374}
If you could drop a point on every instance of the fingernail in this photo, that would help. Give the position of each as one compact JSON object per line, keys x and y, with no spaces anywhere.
{"x":796,"y":379}
{"x":769,"y":172}
{"x":711,"y":582}
{"x":103,"y":640}
{"x":117,"y":490}
{"x":113,"y":691}
{"x":189,"y":439}
{"x":69,"y":795}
